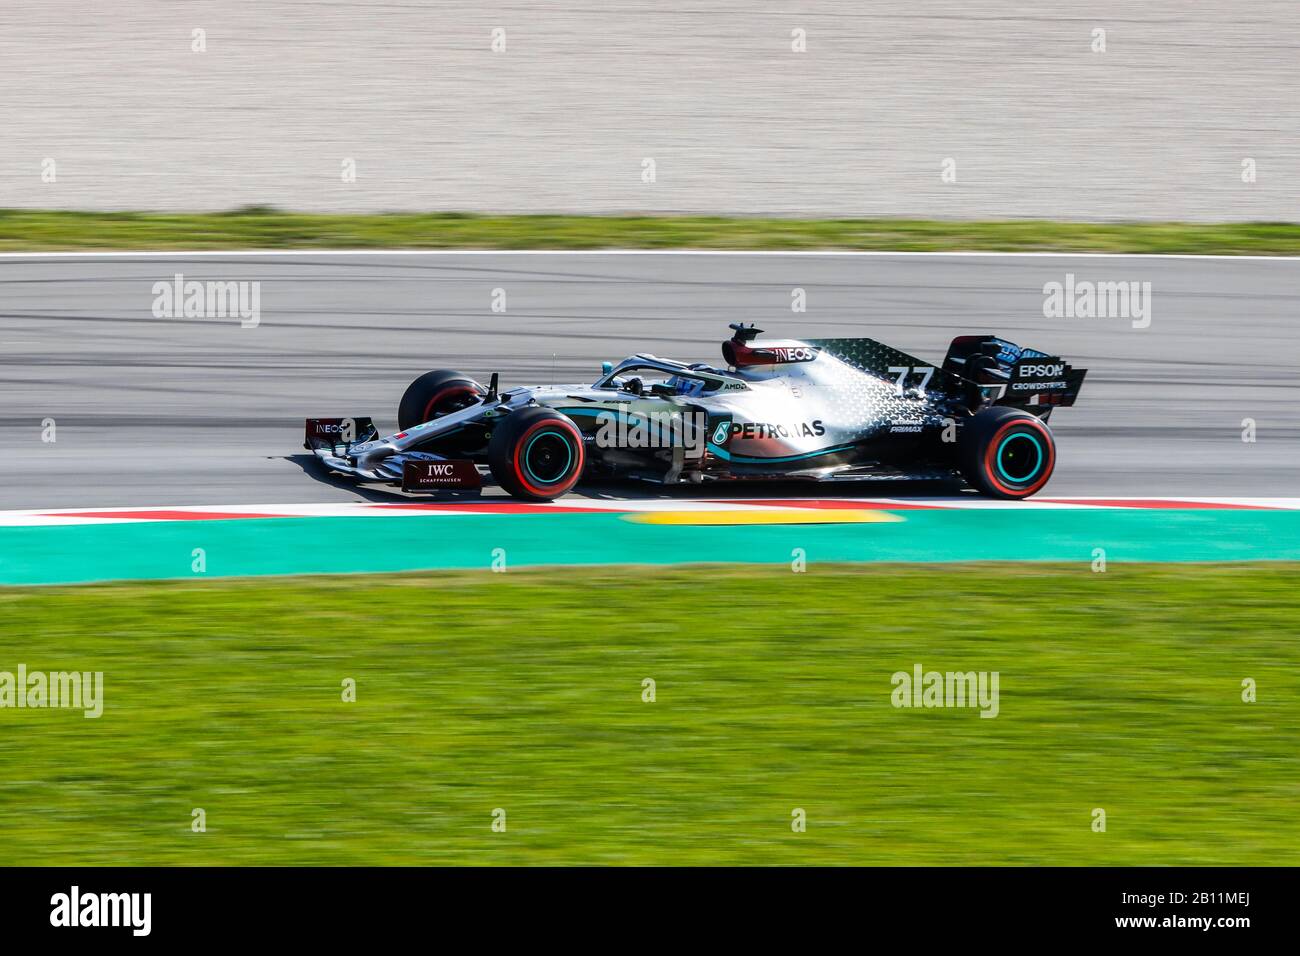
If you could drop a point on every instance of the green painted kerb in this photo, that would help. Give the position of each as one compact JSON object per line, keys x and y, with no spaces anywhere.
{"x":166,"y":549}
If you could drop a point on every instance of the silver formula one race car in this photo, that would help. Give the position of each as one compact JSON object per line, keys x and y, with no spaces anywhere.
{"x":823,"y":409}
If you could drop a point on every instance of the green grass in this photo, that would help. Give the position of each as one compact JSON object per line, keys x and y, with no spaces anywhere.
{"x":266,"y":228}
{"x":523,"y":691}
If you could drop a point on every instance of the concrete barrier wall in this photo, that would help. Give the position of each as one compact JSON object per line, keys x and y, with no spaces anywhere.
{"x":1037,"y":122}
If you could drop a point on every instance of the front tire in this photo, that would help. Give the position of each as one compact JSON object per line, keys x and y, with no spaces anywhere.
{"x":536,"y":454}
{"x":435,"y":394}
{"x":1006,"y":453}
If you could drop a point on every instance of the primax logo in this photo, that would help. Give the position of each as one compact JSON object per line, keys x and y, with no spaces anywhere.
{"x":103,"y":909}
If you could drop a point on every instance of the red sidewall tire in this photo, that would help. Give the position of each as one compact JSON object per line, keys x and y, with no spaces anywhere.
{"x":983,"y":440}
{"x":422,"y":398}
{"x":444,"y":395}
{"x":511,"y":442}
{"x":1042,"y":472}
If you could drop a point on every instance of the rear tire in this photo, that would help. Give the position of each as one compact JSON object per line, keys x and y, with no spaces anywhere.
{"x":1006,"y":453}
{"x":536,"y":454}
{"x":434,"y":394}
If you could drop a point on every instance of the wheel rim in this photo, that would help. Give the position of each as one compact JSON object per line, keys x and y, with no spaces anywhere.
{"x":1019,"y":458}
{"x":547,"y":457}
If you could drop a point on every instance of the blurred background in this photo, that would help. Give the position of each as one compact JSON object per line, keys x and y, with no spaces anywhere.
{"x":477,"y":691}
{"x":271,"y":98}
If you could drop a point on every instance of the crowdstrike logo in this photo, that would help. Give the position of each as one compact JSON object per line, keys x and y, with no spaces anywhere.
{"x":75,"y":908}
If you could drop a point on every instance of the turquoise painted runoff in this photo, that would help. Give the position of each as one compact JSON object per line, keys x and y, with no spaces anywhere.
{"x":254,"y":546}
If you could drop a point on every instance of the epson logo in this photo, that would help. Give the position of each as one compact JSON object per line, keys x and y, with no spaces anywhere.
{"x":1038,"y":371}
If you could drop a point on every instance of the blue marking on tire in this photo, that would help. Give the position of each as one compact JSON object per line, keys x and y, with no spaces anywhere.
{"x":568,"y":449}
{"x":1038,"y":449}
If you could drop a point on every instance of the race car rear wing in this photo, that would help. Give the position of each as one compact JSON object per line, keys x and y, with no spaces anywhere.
{"x":1007,"y":374}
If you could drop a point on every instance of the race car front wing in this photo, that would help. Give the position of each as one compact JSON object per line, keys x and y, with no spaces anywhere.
{"x":352,"y":446}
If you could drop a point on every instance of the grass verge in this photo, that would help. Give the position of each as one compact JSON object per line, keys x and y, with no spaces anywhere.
{"x":266,"y":228}
{"x":523,"y":691}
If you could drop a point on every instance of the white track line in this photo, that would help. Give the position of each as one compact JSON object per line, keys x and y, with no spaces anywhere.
{"x":67,"y":517}
{"x":271,"y":253}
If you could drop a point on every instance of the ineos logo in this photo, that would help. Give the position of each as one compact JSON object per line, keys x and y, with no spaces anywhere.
{"x":347,"y":427}
{"x":799,"y":354}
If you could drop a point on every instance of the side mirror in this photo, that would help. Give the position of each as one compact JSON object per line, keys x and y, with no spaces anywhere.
{"x":606,"y":368}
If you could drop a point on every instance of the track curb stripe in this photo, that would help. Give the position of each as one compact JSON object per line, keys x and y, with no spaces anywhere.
{"x":507,"y":506}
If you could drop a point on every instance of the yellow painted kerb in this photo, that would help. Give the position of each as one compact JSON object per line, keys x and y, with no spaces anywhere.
{"x":767,"y":516}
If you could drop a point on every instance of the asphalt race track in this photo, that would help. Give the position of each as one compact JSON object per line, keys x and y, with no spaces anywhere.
{"x":168,"y":411}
